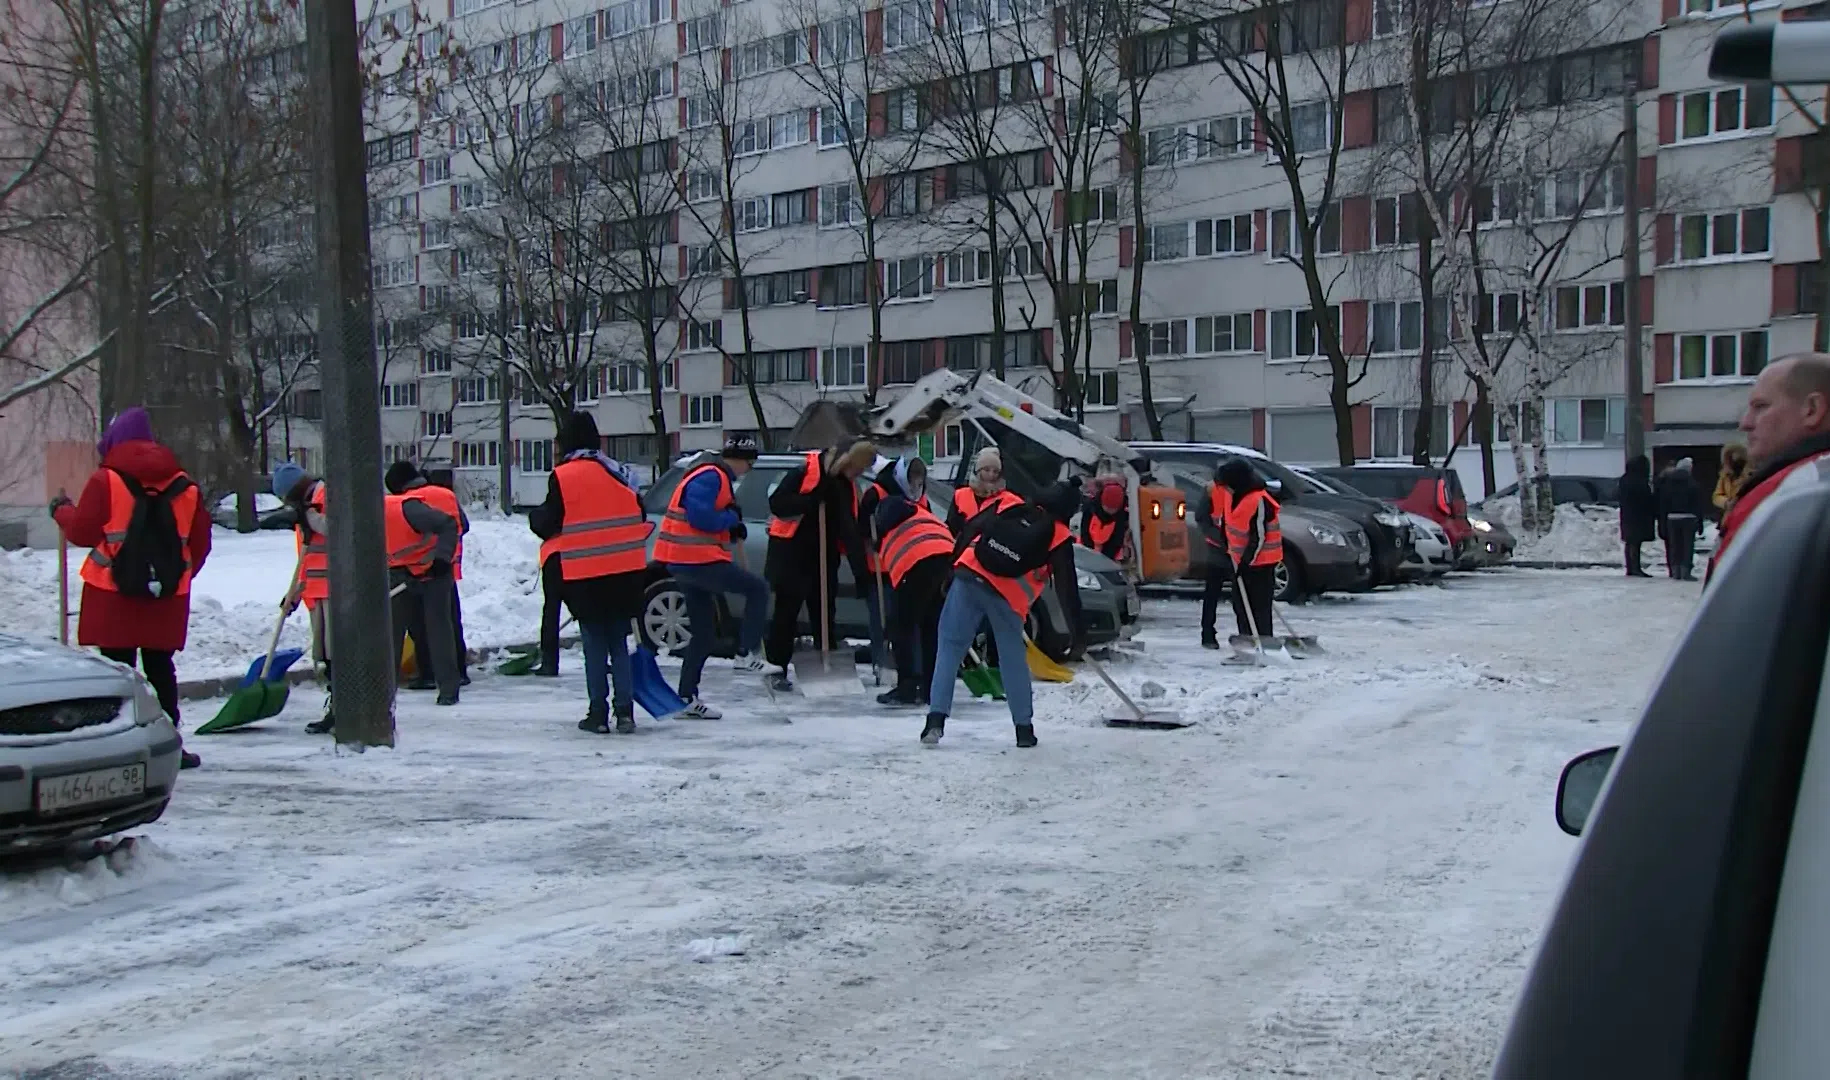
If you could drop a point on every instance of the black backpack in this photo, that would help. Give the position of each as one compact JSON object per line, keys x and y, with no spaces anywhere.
{"x":152,"y":558}
{"x":1016,"y":541}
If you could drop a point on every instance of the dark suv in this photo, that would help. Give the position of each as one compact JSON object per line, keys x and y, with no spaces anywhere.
{"x":1387,"y":531}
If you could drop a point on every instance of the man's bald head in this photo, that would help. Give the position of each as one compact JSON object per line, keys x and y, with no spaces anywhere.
{"x":1789,"y":403}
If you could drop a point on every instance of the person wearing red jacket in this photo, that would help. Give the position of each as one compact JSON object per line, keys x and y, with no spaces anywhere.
{"x":1787,"y":425}
{"x":125,"y":628}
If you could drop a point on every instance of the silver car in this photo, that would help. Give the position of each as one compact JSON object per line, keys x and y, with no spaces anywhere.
{"x":85,"y":748}
{"x":1109,"y":604}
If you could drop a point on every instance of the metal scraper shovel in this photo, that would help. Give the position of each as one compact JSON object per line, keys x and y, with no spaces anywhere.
{"x":1298,"y":644}
{"x":1256,"y":649}
{"x":818,"y":674}
{"x":1153,"y":720}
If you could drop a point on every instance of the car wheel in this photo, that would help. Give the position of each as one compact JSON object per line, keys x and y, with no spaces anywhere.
{"x":1292,"y":582}
{"x":663,"y":626}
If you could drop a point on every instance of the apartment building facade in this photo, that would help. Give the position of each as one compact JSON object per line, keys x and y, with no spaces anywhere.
{"x":1227,"y":332}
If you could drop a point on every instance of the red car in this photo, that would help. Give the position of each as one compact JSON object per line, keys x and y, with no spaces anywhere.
{"x":1420,"y":489}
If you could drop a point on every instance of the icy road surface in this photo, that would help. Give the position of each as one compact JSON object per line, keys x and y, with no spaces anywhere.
{"x":1340,"y":873}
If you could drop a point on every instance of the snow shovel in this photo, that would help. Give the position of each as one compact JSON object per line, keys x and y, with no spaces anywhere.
{"x":259,"y":701}
{"x":63,"y":587}
{"x":1251,"y":650}
{"x":520,"y":662}
{"x":1135,"y":717}
{"x":1298,"y":644}
{"x":1041,"y":667}
{"x":824,"y":679}
{"x":981,"y":680}
{"x":649,"y":687}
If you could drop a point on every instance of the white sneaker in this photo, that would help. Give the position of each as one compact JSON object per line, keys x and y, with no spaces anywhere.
{"x":699,"y":710}
{"x":745,"y":664}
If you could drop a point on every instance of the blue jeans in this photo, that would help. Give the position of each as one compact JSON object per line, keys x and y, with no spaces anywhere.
{"x":701,"y":583}
{"x":607,"y":662}
{"x":969,"y":602}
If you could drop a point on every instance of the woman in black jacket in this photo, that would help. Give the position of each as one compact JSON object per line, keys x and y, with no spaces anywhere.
{"x":1638,"y":512}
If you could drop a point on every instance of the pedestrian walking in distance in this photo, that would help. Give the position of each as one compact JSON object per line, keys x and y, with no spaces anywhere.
{"x":1787,"y":424}
{"x":148,"y":534}
{"x":916,"y":551}
{"x":1210,"y":517}
{"x":698,"y":532}
{"x":422,"y":541}
{"x":1680,"y":510}
{"x":1638,"y":512}
{"x":825,"y":481}
{"x":1254,"y":544}
{"x":1007,"y":557}
{"x":592,"y":525}
{"x":403,"y":478}
{"x":304,"y":493}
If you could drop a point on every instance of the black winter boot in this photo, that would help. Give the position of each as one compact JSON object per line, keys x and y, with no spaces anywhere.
{"x":1210,"y":641}
{"x":1026,"y":736}
{"x":934,"y":729}
{"x":901,"y":695}
{"x":595,"y":722}
{"x":625,"y":725}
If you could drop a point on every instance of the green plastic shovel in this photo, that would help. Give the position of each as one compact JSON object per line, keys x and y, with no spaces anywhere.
{"x":982,"y":681}
{"x":259,"y":701}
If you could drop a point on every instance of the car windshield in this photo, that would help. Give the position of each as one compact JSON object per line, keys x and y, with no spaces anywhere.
{"x":752,"y":490}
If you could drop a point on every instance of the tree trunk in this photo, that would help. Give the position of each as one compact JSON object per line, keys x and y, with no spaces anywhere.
{"x":1139,"y":340}
{"x":1426,"y":357}
{"x":1820,"y":304}
{"x":1483,"y":412}
{"x":997,"y":272}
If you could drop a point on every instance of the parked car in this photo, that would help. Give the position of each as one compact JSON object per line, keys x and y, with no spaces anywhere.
{"x":1323,"y":552}
{"x":1692,"y":934}
{"x":1109,"y":603}
{"x":85,"y":749}
{"x":1387,"y":531}
{"x":1574,"y":490}
{"x":269,"y":512}
{"x":1492,"y":544}
{"x":1436,"y":493}
{"x":1433,"y":556}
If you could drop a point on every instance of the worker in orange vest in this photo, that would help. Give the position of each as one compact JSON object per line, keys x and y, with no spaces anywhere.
{"x":592,"y":522}
{"x":1254,"y":544}
{"x":825,"y":479}
{"x":1210,"y":518}
{"x":422,"y":541}
{"x":702,"y":525}
{"x":1105,"y":521}
{"x":916,"y":552}
{"x":403,"y":477}
{"x":984,"y":483}
{"x":1007,"y":557}
{"x":304,"y":493}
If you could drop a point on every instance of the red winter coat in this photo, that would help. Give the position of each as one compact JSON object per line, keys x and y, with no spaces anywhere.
{"x":108,"y":619}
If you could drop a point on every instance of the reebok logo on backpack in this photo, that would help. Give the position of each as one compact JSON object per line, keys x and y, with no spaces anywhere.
{"x":1016,"y":541}
{"x":152,"y":559}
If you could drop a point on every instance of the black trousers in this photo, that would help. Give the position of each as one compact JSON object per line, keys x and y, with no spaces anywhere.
{"x":424,"y":608}
{"x":1219,"y":572}
{"x":1256,"y":586}
{"x":791,"y":597}
{"x":457,"y":630}
{"x":1680,"y":545}
{"x":551,"y":584}
{"x":1634,"y":555}
{"x":160,"y":671}
{"x":915,"y":631}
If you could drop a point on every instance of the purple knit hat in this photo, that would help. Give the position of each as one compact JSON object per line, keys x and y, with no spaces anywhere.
{"x":132,"y":425}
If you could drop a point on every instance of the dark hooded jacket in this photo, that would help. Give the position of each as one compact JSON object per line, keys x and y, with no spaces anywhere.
{"x":797,"y":558}
{"x":1678,"y":494}
{"x":590,"y":600}
{"x":1638,"y":505}
{"x":109,"y":620}
{"x":1241,"y":479}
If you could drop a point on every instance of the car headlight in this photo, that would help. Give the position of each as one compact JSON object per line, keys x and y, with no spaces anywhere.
{"x":1087,"y":580}
{"x":146,"y":707}
{"x":1389,"y":520}
{"x":1325,"y":535}
{"x":1480,"y":525}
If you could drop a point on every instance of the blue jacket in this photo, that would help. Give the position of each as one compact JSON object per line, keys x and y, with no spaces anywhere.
{"x":701,"y":503}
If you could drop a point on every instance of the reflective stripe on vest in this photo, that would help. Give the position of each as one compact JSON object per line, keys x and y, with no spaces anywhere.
{"x":783,"y":528}
{"x":314,"y":554}
{"x":445,"y":500}
{"x":1239,"y":530}
{"x":1019,"y":592}
{"x":408,"y":548}
{"x":604,"y":531}
{"x":1221,"y":497}
{"x":922,"y":536}
{"x":98,"y":568}
{"x":679,"y":541}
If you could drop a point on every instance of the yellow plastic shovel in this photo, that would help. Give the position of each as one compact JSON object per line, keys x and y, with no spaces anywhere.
{"x":1041,"y":667}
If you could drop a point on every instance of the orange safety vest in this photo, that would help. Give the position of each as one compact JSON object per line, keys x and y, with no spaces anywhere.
{"x":408,"y":548}
{"x":784,"y":528}
{"x":1099,"y":530}
{"x":1019,"y":592}
{"x":970,"y":505}
{"x":1239,"y":528}
{"x":445,"y":500}
{"x":679,"y":542}
{"x":604,"y":532}
{"x":98,"y":568}
{"x":314,"y":554}
{"x":922,"y":536}
{"x":1222,"y":499}
{"x":966,"y":502}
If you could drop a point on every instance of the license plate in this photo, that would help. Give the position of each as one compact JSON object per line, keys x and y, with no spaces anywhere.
{"x":59,"y":793}
{"x":1131,"y":604}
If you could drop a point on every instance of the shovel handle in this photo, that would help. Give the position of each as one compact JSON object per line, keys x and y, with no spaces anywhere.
{"x":825,"y":600}
{"x":63,"y":588}
{"x":279,"y":624}
{"x":1100,"y":670}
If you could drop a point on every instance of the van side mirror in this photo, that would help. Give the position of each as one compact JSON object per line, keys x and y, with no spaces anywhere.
{"x":1580,"y":785}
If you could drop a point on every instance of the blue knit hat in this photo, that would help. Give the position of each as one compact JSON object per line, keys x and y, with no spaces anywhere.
{"x":286,"y":476}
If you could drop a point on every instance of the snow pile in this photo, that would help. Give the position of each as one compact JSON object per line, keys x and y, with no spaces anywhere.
{"x":705,"y":950}
{"x":127,"y":866}
{"x":235,"y":600}
{"x":1579,"y":534}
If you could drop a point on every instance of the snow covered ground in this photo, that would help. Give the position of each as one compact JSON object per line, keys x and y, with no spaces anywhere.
{"x":1584,"y":534}
{"x":235,"y":599}
{"x":1340,"y":872}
